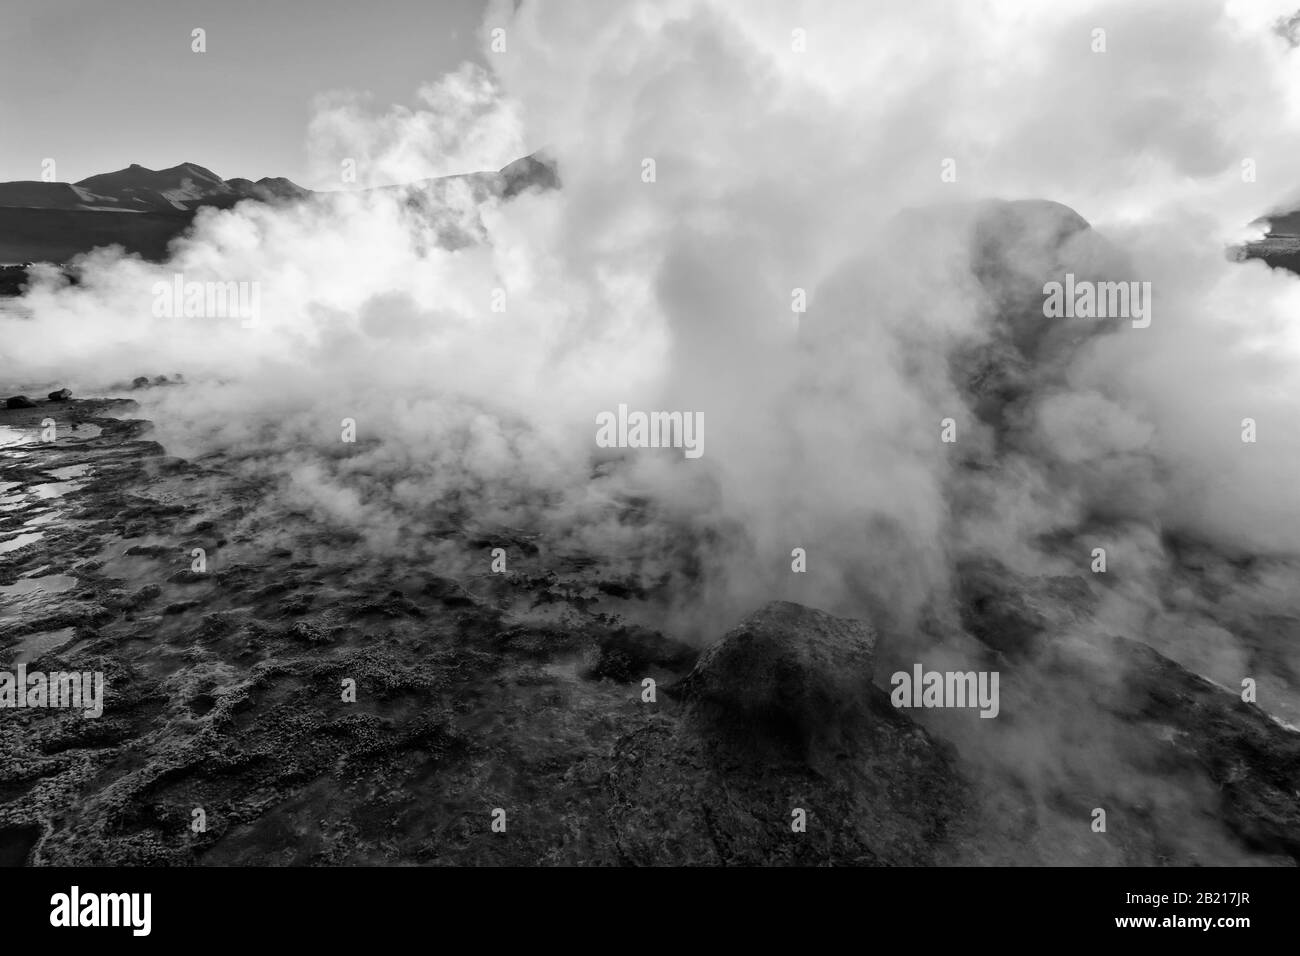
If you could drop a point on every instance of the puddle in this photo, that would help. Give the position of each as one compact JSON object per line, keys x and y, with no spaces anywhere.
{"x":67,"y":472}
{"x":55,"y":489}
{"x":42,"y":518}
{"x":10,"y":500}
{"x":50,"y":584}
{"x":22,"y":540}
{"x":17,"y":436}
{"x":34,"y":645}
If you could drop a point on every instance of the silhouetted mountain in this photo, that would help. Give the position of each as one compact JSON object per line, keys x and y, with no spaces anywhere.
{"x":143,"y":209}
{"x":268,"y":189}
{"x":184,"y":187}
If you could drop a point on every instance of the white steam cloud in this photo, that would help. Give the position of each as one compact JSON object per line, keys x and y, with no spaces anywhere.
{"x":775,"y":170}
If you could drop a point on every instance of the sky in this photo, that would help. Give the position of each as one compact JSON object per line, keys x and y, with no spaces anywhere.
{"x":97,"y":86}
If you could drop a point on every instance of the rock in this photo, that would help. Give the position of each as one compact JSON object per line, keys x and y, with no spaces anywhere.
{"x":1011,"y":249}
{"x":140,"y":381}
{"x":788,"y":668}
{"x":187,"y":576}
{"x":149,"y":551}
{"x":150,"y":592}
{"x":62,"y":395}
{"x":19,"y":401}
{"x":676,"y":799}
{"x":297,"y":604}
{"x":449,"y":592}
{"x":1202,"y":737}
{"x":627,"y":654}
{"x":309,"y":633}
{"x":1015,"y":613}
{"x":393,"y":605}
{"x":784,"y":705}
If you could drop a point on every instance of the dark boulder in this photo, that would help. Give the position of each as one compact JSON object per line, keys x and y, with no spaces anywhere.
{"x":1003,"y":254}
{"x":19,"y":401}
{"x":61,"y":395}
{"x":1016,"y":249}
{"x":1202,"y":737}
{"x":781,"y":718}
{"x":788,"y":668}
{"x":1015,"y":613}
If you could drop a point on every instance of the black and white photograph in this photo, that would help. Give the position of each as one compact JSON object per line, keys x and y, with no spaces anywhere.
{"x":691,"y":434}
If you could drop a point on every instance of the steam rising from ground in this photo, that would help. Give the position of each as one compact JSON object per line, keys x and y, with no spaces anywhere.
{"x":775,"y":170}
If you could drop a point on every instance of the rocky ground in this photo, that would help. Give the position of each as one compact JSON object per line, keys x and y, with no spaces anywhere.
{"x":225,"y":694}
{"x":1280,"y":252}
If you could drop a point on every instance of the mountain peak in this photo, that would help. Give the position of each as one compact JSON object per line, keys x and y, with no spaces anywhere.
{"x":194,"y":168}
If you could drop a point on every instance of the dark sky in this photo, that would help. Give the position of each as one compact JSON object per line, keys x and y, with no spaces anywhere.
{"x":98,"y":85}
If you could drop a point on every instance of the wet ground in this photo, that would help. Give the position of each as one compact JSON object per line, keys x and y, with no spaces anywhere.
{"x":225,"y":694}
{"x":225,"y":706}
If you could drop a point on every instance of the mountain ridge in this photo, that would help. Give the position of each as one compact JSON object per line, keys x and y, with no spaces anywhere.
{"x":143,"y":209}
